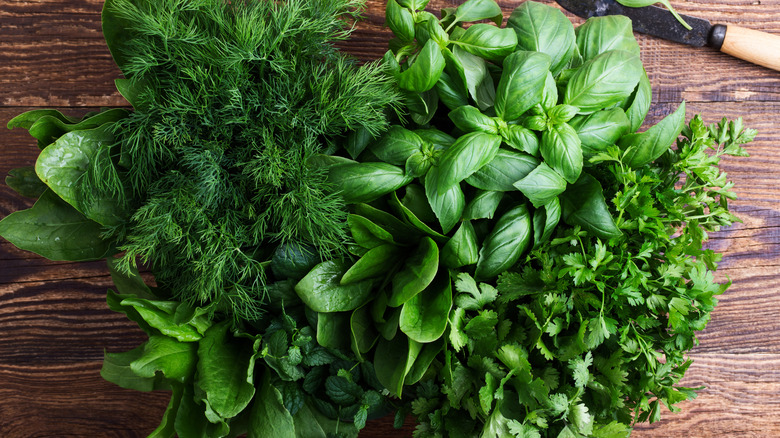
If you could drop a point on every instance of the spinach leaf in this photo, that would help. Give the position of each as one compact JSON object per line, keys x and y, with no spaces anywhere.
{"x":500,"y":174}
{"x":583,"y":204}
{"x":542,"y":28}
{"x":116,"y":369}
{"x":522,"y":83}
{"x":226,"y":371}
{"x":160,"y":315}
{"x":651,"y":144}
{"x":393,"y":360}
{"x":321,"y":290}
{"x":331,"y":328}
{"x":270,"y":419}
{"x":63,"y":165}
{"x":602,"y":34}
{"x":562,"y":151}
{"x":364,"y":334}
{"x":373,"y":264}
{"x":417,"y":274}
{"x":542,"y":185}
{"x":424,"y":316}
{"x":417,"y":202}
{"x":25,"y":182}
{"x":505,"y":243}
{"x":603,"y":81}
{"x":425,"y":359}
{"x":488,"y":42}
{"x":27,"y":119}
{"x":413,"y":220}
{"x":175,"y":360}
{"x":54,"y":229}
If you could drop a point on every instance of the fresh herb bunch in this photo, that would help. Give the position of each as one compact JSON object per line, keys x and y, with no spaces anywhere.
{"x":231,"y":101}
{"x":525,"y":263}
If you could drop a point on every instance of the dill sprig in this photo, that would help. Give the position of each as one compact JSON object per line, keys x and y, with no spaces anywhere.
{"x":235,"y":98}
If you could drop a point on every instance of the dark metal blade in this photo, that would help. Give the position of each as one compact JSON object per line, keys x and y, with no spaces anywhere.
{"x":651,"y":20}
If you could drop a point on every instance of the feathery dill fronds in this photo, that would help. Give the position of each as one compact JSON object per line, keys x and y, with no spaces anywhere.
{"x":237,"y":97}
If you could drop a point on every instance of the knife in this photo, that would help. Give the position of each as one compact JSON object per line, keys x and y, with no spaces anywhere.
{"x":751,"y":45}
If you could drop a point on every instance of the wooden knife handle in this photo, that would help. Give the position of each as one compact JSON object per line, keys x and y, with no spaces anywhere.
{"x":754,"y":46}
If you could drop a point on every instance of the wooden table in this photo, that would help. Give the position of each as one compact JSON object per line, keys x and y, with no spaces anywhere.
{"x":54,"y":324}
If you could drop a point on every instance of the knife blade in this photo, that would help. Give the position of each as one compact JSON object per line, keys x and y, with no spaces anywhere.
{"x":751,"y":45}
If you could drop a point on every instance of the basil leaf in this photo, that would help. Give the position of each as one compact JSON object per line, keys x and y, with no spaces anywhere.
{"x":63,"y":164}
{"x":522,"y":83}
{"x":418,"y":272}
{"x":447,"y":205}
{"x":601,"y":129}
{"x":54,"y":229}
{"x":270,"y":419}
{"x":321,"y":290}
{"x":478,"y":79}
{"x":602,"y":34}
{"x":423,"y":74}
{"x":424,"y":316}
{"x":399,"y":231}
{"x":639,"y":103}
{"x":651,"y":144}
{"x":603,"y":81}
{"x":365,"y":182}
{"x":542,"y":185}
{"x":461,"y":250}
{"x":488,"y":42}
{"x":418,"y":165}
{"x":422,"y":106}
{"x":417,"y":202}
{"x":503,"y":171}
{"x":542,"y":28}
{"x":399,"y":20}
{"x":483,"y":206}
{"x":393,"y":360}
{"x":583,"y":204}
{"x":439,"y":139}
{"x":415,"y":5}
{"x":545,"y":221}
{"x":550,"y":93}
{"x":225,"y":371}
{"x":373,"y":264}
{"x":25,"y":182}
{"x":521,"y":138}
{"x":562,"y":151}
{"x":396,"y":146}
{"x":505,"y":244}
{"x":476,"y":10}
{"x":469,"y":153}
{"x":470,"y":119}
{"x":175,"y":360}
{"x":452,"y":91}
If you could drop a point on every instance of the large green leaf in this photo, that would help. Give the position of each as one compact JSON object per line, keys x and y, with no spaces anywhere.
{"x":393,"y":360}
{"x":117,"y":370}
{"x":601,"y":129}
{"x":542,"y":28}
{"x":462,"y":249}
{"x":270,"y":419}
{"x":52,"y":228}
{"x":447,"y":205}
{"x":466,"y":156}
{"x":25,"y":182}
{"x":475,"y":72}
{"x":424,"y":72}
{"x":651,"y":144}
{"x":583,"y":204}
{"x":396,"y":146}
{"x":418,"y":272}
{"x":522,"y":83}
{"x":542,"y":185}
{"x":321,"y":290}
{"x":603,"y":81}
{"x":503,"y":171}
{"x":226,"y":371}
{"x":602,"y":34}
{"x":475,"y":10}
{"x":424,"y":316}
{"x":488,"y":42}
{"x":365,"y":182}
{"x":175,"y":360}
{"x":562,"y":151}
{"x":505,"y":243}
{"x":63,"y":164}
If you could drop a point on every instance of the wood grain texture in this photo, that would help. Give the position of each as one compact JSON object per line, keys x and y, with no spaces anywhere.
{"x":54,"y":324}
